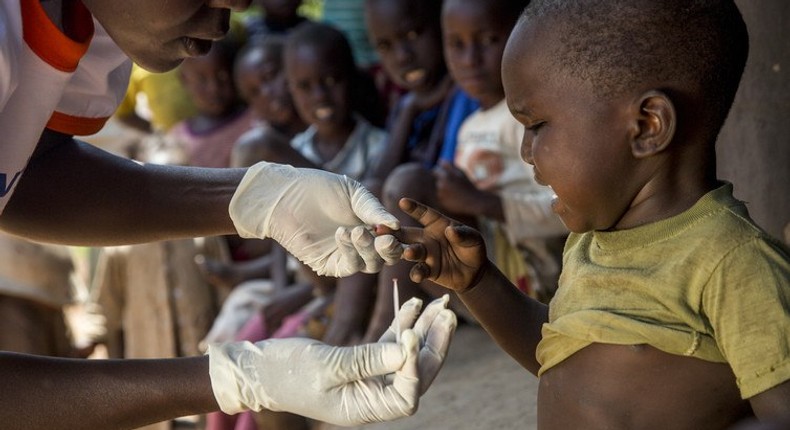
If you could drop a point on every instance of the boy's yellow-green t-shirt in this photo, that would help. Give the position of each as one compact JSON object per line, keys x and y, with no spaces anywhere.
{"x":707,"y":283}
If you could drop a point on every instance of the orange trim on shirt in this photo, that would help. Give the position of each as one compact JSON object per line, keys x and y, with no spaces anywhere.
{"x":46,"y":39}
{"x":75,"y":125}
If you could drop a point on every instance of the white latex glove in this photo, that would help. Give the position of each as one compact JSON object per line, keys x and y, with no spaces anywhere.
{"x":339,"y":385}
{"x":314,"y":215}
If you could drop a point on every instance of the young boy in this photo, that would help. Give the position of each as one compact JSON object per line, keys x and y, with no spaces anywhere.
{"x":408,"y":38}
{"x":672,"y":309}
{"x":62,"y":74}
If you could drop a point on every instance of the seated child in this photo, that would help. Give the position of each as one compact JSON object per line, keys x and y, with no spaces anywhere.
{"x":489,"y":186}
{"x":260,"y":80}
{"x":407,"y":36}
{"x":207,"y":138}
{"x":673,"y":306}
{"x":321,"y":75}
{"x":423,"y":124}
{"x":321,"y":71}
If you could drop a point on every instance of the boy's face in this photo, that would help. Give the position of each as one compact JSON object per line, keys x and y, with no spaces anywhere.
{"x":209,"y":81}
{"x":577,"y":143}
{"x":158,"y":34}
{"x":320,"y":88}
{"x":410,"y":48}
{"x":261,"y":83}
{"x":474,"y":40}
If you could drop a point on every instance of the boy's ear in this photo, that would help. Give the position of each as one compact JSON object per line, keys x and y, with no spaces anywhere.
{"x":655,"y":124}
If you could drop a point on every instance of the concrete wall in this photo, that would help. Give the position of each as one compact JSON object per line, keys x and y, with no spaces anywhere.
{"x":754,"y":146}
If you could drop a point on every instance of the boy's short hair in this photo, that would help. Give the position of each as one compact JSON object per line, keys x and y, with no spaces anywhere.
{"x":619,"y":45}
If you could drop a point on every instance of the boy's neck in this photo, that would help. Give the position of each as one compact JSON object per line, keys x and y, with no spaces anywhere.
{"x":673,"y":191}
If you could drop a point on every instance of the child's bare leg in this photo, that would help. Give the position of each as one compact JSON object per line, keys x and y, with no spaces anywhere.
{"x":354,"y":298}
{"x":383,"y":311}
{"x":32,"y":328}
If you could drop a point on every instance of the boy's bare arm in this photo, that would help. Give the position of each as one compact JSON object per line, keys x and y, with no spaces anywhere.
{"x":454,"y":256}
{"x":772,"y":404}
{"x":74,"y":193}
{"x":513,"y":319}
{"x":402,"y":127}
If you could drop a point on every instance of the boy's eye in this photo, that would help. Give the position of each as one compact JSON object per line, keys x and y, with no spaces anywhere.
{"x":533,"y":128}
{"x":330,"y":81}
{"x":412,"y":35}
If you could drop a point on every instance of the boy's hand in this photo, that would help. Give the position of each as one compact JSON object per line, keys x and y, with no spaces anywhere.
{"x":447,"y":252}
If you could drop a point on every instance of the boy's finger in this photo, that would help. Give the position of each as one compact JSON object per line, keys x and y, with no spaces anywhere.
{"x":415,"y":252}
{"x":419,"y":272}
{"x":421,"y":213}
{"x":462,"y":235}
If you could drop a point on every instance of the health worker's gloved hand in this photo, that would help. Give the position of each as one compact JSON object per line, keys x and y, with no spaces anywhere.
{"x":323,"y":219}
{"x":339,"y":385}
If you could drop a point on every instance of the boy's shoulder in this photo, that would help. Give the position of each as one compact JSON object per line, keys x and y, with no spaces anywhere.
{"x":717,"y":227}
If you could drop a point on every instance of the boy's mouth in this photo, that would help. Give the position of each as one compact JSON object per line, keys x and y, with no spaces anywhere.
{"x":196,"y":47}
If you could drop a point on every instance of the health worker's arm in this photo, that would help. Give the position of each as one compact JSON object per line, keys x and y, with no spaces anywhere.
{"x":56,"y":393}
{"x":76,"y":194}
{"x":343,"y":386}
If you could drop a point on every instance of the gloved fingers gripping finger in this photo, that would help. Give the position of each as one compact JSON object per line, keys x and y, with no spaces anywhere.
{"x":363,"y":241}
{"x":407,"y":314}
{"x":368,"y":209}
{"x":407,"y":379}
{"x":427,"y":318}
{"x":434,"y":350}
{"x":389,"y":248}
{"x":349,"y":259}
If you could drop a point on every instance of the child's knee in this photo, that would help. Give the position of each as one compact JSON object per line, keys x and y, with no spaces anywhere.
{"x":408,"y":180}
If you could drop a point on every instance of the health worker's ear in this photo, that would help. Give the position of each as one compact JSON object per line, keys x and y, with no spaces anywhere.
{"x":654,"y":124}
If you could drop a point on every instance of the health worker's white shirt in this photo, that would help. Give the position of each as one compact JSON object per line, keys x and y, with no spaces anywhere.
{"x":48,"y":80}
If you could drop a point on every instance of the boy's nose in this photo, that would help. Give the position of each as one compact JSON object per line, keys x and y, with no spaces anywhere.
{"x":236,"y":5}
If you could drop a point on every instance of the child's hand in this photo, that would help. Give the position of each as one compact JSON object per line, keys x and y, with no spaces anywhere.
{"x":447,"y":252}
{"x":455,"y":192}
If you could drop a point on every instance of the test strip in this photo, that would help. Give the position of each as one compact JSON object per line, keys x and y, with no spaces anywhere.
{"x":395,"y":304}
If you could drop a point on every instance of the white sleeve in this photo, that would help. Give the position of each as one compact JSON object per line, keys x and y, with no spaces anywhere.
{"x":8,"y":63}
{"x":528,"y":214}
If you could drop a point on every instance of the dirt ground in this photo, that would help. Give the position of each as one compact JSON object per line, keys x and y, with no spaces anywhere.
{"x":480,"y":387}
